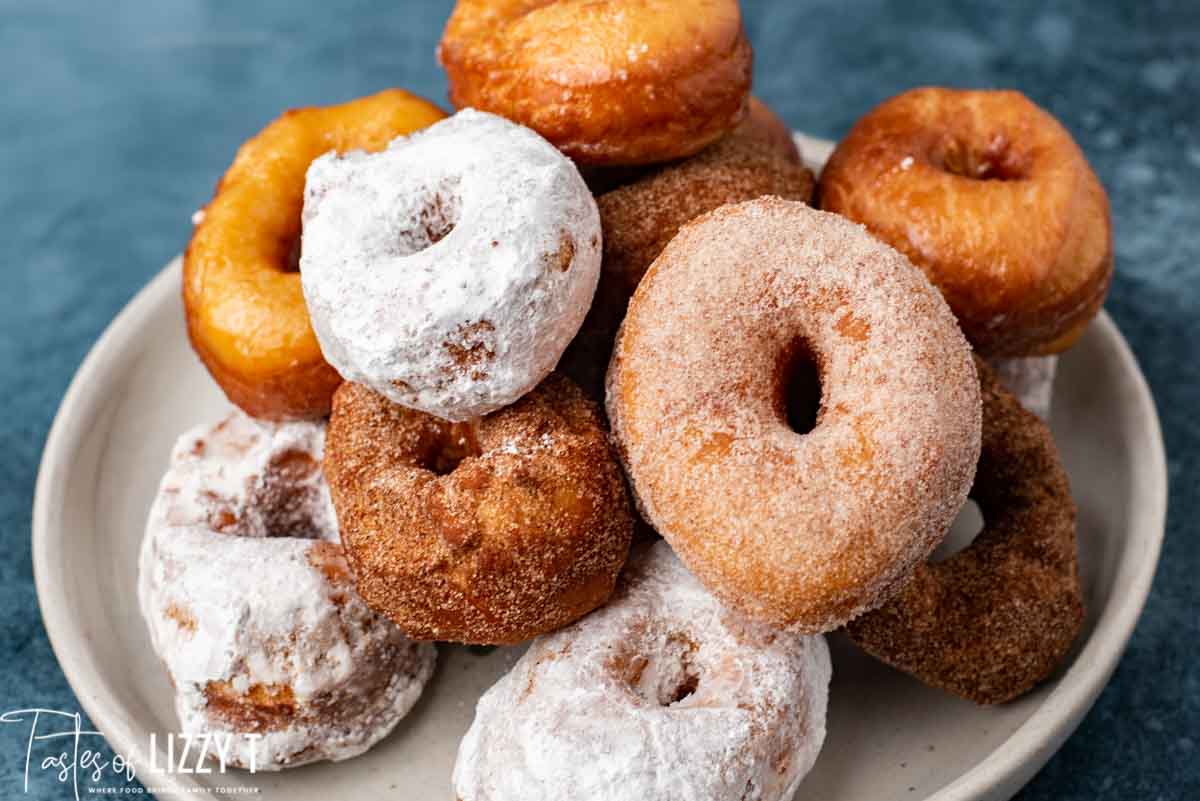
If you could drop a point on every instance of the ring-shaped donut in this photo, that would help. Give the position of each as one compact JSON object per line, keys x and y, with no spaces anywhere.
{"x":607,"y":82}
{"x":663,"y":694}
{"x":487,"y":532}
{"x":991,"y":197}
{"x":450,"y":271}
{"x":803,"y":530}
{"x":996,"y":618}
{"x":246,"y":316}
{"x":251,"y":606}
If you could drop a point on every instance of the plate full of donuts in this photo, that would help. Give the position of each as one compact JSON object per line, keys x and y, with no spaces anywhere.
{"x":604,"y":439}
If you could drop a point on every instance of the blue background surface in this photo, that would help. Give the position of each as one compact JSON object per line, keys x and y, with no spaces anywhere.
{"x":116,"y":118}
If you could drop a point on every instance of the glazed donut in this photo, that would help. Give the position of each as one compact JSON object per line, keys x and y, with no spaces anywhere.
{"x":251,"y":606}
{"x":639,"y":219}
{"x":609,"y":82}
{"x":663,"y":694}
{"x":991,"y":197}
{"x":996,"y":618}
{"x":802,"y":530}
{"x":450,"y":271}
{"x":487,"y":532}
{"x":241,"y":293}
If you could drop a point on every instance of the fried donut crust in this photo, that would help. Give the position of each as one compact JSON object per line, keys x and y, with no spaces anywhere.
{"x":245,"y":310}
{"x":488,"y":532}
{"x":996,"y":618}
{"x":993,"y":199}
{"x":606,"y":81}
{"x":640,"y":217}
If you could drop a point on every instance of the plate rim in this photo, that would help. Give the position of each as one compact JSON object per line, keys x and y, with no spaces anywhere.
{"x":1012,"y":763}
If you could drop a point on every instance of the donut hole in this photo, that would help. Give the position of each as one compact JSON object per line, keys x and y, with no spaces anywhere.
{"x":448,"y":448}
{"x":799,"y":381}
{"x":291,"y":262}
{"x":665,"y":679}
{"x":996,"y":160}
{"x":432,"y":221}
{"x":963,"y":531}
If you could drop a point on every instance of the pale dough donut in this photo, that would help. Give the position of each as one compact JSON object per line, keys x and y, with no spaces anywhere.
{"x":449,"y":272}
{"x":251,"y":605}
{"x":663,"y":694}
{"x":804,"y":530}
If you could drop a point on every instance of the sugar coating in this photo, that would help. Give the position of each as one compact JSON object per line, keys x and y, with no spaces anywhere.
{"x":801,"y":530}
{"x":663,"y":694}
{"x":450,"y":271}
{"x":251,"y":606}
{"x":996,"y":618}
{"x":1031,"y":379}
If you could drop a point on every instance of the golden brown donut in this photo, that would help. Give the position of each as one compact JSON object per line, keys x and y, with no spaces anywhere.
{"x":486,"y":532}
{"x":606,"y":81}
{"x":996,"y":618}
{"x":639,"y":218}
{"x":800,"y":528}
{"x":245,"y":310}
{"x":991,"y":197}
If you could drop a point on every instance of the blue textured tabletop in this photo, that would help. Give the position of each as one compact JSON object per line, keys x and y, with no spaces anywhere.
{"x":117,"y":118}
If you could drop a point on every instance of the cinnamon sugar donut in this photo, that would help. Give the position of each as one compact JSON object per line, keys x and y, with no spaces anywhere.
{"x":450,"y":271}
{"x":991,"y":197}
{"x":804,"y":530}
{"x":996,"y":618}
{"x":246,"y":315}
{"x":486,"y":532}
{"x":663,"y":694}
{"x":608,"y":82}
{"x":639,"y":219}
{"x":251,"y":605}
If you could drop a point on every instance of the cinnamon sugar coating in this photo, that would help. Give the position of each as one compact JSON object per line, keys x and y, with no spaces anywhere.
{"x":489,"y":532}
{"x":992,"y":198}
{"x":641,"y":216}
{"x":806,"y":530}
{"x":996,"y":618}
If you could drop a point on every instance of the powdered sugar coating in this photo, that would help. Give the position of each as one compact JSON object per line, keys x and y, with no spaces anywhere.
{"x":804,"y":531}
{"x":663,"y":694}
{"x":450,"y":271}
{"x":251,"y":605}
{"x":1031,"y":379}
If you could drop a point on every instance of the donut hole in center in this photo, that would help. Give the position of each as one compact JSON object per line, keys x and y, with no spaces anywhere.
{"x":995,"y":160}
{"x":963,"y":531}
{"x":432,"y":221}
{"x":665,"y":679}
{"x":799,"y":387}
{"x":449,"y":447}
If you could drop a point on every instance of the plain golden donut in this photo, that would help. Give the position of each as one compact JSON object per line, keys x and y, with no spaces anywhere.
{"x":991,"y":197}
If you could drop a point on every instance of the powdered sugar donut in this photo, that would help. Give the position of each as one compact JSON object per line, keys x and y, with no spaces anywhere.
{"x":449,"y":272}
{"x":251,"y":605}
{"x":662,"y":694}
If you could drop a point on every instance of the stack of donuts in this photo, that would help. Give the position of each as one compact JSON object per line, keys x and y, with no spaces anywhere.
{"x":582,"y":366}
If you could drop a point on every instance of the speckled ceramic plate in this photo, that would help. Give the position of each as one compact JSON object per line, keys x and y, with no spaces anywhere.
{"x":889,"y":737}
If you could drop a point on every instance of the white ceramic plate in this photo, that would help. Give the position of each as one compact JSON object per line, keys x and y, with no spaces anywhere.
{"x":889,"y":737}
